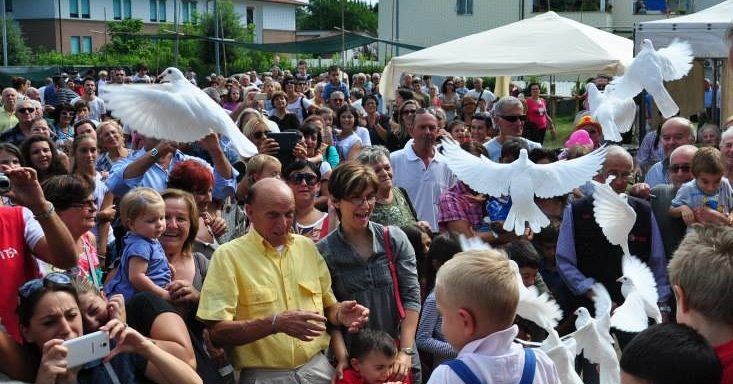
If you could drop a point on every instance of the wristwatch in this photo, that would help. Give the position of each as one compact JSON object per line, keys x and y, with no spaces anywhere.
{"x":154,"y":153}
{"x":408,"y":351}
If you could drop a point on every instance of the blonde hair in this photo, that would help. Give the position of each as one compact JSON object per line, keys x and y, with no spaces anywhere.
{"x":257,"y":163}
{"x":483,"y":282}
{"x":249,"y":128}
{"x":136,"y":202}
{"x":703,"y":267}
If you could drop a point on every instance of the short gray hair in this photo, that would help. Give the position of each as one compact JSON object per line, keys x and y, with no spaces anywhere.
{"x":371,"y":155}
{"x":503,"y":104}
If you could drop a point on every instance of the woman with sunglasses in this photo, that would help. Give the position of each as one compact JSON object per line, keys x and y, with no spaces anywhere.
{"x":49,"y":314}
{"x":303,"y":177}
{"x":359,"y":254}
{"x":64,"y":126}
{"x":400,"y":134}
{"x":256,"y":131}
{"x":41,"y":154}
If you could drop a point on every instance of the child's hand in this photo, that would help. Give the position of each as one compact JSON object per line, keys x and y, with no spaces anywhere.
{"x":688,"y":215}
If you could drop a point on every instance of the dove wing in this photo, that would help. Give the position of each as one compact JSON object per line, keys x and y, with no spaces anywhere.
{"x":589,"y":343}
{"x":675,"y":60}
{"x":602,"y":302}
{"x":561,"y":177}
{"x":155,"y":110}
{"x":473,"y":243}
{"x":613,"y":214}
{"x":630,"y":316}
{"x":479,"y":173}
{"x":595,"y":97}
{"x":541,"y":309}
{"x":642,"y":276}
{"x":624,"y":114}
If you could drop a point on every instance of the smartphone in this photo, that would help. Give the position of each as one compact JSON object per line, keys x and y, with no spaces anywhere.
{"x":84,"y":349}
{"x":286,"y":140}
{"x":260,"y":96}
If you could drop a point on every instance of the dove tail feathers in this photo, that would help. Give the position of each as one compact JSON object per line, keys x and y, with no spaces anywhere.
{"x":532,"y":214}
{"x":664,"y":101}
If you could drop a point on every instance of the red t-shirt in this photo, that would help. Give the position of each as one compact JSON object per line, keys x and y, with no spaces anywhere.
{"x":537,"y":112}
{"x":16,"y":266}
{"x":725,"y":354}
{"x":353,"y":377}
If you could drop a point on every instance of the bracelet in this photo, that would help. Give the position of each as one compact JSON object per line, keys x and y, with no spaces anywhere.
{"x":46,"y":214}
{"x":274,"y":318}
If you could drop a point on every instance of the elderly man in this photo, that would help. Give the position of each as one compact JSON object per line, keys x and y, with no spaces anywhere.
{"x":508,"y":115}
{"x":584,"y":255}
{"x":25,"y":112}
{"x":484,"y":97}
{"x":33,"y":93}
{"x":7,"y":115}
{"x":672,"y":228}
{"x":336,"y":100}
{"x":421,"y":170}
{"x":676,"y":131}
{"x":268,"y":295}
{"x":96,"y":104}
{"x":150,"y":166}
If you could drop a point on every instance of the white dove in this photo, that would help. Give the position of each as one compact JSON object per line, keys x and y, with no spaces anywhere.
{"x":640,"y":297}
{"x":650,"y":69}
{"x":613,"y":214}
{"x":176,"y":110}
{"x":522,"y":180}
{"x":615,"y":115}
{"x":533,"y":306}
{"x":562,"y":353}
{"x":593,"y":336}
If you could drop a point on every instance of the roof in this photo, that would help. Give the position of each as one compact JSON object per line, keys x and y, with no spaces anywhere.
{"x":289,"y":2}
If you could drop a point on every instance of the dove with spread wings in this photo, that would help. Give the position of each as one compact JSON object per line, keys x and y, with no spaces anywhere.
{"x":522,"y":180}
{"x":174,"y":110}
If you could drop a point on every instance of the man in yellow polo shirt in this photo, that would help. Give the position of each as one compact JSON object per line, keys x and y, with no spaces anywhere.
{"x":7,"y":113}
{"x":268,"y":295}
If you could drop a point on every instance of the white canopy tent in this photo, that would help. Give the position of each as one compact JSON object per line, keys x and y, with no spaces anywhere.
{"x":544,"y":44}
{"x":704,"y":30}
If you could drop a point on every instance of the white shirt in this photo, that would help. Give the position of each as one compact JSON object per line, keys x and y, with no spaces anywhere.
{"x":497,"y":359}
{"x":424,"y":185}
{"x":297,"y":109}
{"x":96,"y":107}
{"x":483,"y":94}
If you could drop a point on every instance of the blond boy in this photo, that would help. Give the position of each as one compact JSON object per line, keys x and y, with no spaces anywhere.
{"x":477,"y":294}
{"x":701,"y":274}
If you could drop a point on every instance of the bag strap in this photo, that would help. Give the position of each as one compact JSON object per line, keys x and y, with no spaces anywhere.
{"x":530,"y":364}
{"x":393,"y":272}
{"x":409,"y":202}
{"x":461,"y":369}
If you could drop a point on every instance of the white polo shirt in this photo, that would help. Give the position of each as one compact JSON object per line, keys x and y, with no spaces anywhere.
{"x":424,"y":184}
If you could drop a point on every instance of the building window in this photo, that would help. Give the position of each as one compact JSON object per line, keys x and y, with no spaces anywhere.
{"x":153,"y":10}
{"x":188,"y":12}
{"x":250,"y":15}
{"x":569,"y":5}
{"x":128,"y":8}
{"x":74,"y":8}
{"x":161,"y":11}
{"x":117,"y":9}
{"x":8,"y":6}
{"x":86,"y":44}
{"x":75,"y":45}
{"x":85,"y":10}
{"x":464,"y":7}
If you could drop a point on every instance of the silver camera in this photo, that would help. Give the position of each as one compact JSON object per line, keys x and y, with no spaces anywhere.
{"x":4,"y":184}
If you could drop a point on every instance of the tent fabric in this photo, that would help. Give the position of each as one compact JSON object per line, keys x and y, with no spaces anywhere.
{"x":321,"y":45}
{"x":544,"y":44}
{"x":704,"y":30}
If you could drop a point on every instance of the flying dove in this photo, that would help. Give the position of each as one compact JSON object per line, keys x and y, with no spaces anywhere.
{"x":522,"y":180}
{"x":615,"y":115}
{"x":613,"y":214}
{"x":650,"y":69}
{"x":640,"y":297}
{"x":175,"y":110}
{"x":593,"y":336}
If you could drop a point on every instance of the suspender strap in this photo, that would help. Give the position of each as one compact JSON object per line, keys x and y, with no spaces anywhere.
{"x":461,"y":369}
{"x":530,"y":364}
{"x":393,"y":272}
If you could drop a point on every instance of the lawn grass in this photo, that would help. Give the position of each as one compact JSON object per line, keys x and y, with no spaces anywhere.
{"x":564,"y":127}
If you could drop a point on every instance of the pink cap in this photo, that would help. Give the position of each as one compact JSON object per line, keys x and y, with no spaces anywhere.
{"x":579,"y":137}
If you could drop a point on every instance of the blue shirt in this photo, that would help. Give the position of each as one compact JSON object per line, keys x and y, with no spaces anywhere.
{"x":329,"y":88}
{"x":494,"y":148}
{"x":156,"y":177}
{"x":658,"y":174}
{"x":692,"y":196}
{"x":148,"y":250}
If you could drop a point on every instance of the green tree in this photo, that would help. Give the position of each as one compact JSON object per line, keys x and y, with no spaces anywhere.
{"x":326,"y":14}
{"x":124,"y":41}
{"x":18,"y":51}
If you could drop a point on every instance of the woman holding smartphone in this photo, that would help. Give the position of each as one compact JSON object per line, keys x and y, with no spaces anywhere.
{"x":49,"y":314}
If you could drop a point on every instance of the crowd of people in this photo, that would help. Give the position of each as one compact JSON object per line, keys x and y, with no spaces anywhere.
{"x":334,"y":254}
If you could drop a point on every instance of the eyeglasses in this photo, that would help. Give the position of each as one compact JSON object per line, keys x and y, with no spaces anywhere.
{"x":674,"y":168}
{"x":26,"y":110}
{"x":514,"y":118}
{"x":71,"y":114}
{"x":625,"y":176}
{"x":358,"y":201}
{"x":89,"y":203}
{"x":260,"y":134}
{"x":52,"y":279}
{"x":409,"y":111}
{"x":297,"y":178}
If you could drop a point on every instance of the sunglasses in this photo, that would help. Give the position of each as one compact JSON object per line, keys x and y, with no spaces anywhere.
{"x":297,"y":178}
{"x":25,"y":110}
{"x":260,"y":134}
{"x":52,"y":279}
{"x":68,"y":114}
{"x":514,"y":118}
{"x":409,"y":111}
{"x":679,"y":167}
